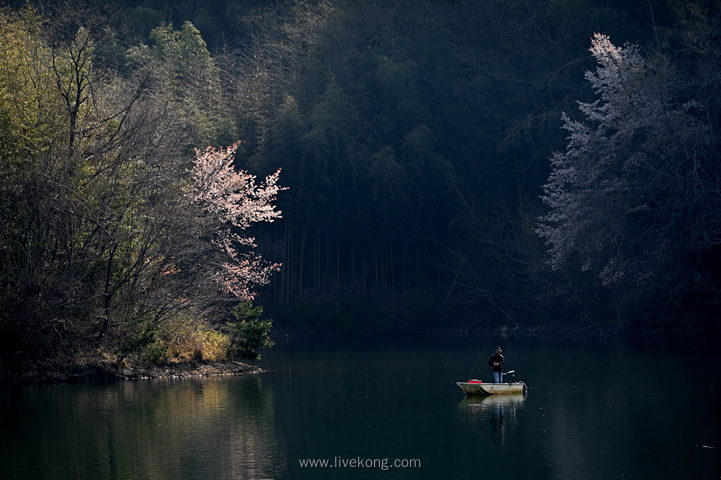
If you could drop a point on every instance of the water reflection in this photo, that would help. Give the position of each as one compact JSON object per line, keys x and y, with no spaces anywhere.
{"x":596,"y":410}
{"x":501,"y":411}
{"x":204,"y":428}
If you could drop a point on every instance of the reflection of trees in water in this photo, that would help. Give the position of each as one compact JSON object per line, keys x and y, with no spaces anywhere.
{"x":500,"y":410}
{"x":255,"y":447}
{"x":222,"y":428}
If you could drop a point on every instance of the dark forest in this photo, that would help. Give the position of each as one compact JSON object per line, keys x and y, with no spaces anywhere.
{"x":354,"y":167}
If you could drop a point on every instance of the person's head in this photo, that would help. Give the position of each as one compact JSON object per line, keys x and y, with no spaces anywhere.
{"x":498,"y":350}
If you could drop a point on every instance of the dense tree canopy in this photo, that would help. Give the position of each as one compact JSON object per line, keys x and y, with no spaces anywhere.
{"x":415,"y":138}
{"x":102,"y":245}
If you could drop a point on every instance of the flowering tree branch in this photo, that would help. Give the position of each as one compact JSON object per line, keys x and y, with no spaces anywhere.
{"x":236,"y":202}
{"x":626,"y":196}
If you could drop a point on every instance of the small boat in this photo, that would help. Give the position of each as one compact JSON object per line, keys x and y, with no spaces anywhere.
{"x":477,"y":387}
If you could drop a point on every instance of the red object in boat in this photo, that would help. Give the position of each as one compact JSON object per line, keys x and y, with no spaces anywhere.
{"x":475,"y":381}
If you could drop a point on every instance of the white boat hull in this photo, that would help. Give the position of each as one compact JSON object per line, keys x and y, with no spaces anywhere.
{"x":477,"y":388}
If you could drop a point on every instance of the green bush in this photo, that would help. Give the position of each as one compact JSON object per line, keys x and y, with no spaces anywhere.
{"x":249,"y":332}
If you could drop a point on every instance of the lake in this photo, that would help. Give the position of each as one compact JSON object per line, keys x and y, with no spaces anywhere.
{"x":387,"y":408}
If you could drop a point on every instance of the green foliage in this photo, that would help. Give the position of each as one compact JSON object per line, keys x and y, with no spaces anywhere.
{"x":185,"y":74}
{"x":100,"y":248}
{"x":141,"y":343}
{"x":249,"y":332}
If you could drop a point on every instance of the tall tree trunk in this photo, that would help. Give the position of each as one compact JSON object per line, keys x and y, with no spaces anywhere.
{"x":107,"y":294}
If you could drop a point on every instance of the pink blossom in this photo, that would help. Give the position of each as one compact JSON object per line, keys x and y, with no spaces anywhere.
{"x":236,"y":202}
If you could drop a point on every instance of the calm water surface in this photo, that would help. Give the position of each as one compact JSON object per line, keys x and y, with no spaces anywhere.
{"x":386,"y":409}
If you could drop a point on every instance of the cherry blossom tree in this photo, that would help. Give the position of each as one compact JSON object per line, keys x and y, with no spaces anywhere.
{"x":633,"y":199}
{"x":235,"y":202}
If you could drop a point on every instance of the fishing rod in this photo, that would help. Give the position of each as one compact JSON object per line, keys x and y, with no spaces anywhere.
{"x":481,"y":354}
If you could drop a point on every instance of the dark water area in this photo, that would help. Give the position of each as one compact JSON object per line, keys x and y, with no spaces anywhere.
{"x":595,"y":408}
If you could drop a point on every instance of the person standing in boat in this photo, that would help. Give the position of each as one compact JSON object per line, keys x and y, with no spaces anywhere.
{"x":496,"y":361}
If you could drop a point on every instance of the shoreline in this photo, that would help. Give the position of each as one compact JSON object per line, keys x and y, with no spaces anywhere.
{"x":108,"y":372}
{"x":103,"y":370}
